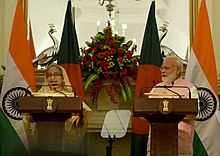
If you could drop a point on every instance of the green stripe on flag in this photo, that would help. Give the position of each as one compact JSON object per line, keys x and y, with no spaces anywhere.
{"x":198,"y":147}
{"x":10,"y":143}
{"x":139,"y":142}
{"x":69,"y":48}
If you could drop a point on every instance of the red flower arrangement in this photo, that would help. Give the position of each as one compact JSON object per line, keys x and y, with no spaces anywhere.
{"x":109,"y":58}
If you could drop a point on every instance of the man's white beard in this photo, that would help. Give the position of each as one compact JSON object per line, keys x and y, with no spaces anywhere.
{"x":170,"y":78}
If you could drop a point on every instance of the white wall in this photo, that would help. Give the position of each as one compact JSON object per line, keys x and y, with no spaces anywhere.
{"x":7,"y":9}
{"x":134,"y":16}
{"x":134,"y":13}
{"x":2,"y":35}
{"x":216,"y":30}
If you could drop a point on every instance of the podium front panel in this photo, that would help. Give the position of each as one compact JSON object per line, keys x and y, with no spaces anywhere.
{"x":177,"y":106}
{"x":52,"y":104}
{"x":53,"y":109}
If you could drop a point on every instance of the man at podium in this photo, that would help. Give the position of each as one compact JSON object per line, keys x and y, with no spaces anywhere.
{"x":56,"y":83}
{"x":173,"y":86}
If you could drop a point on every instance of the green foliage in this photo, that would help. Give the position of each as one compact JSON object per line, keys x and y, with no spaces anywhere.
{"x":109,"y":57}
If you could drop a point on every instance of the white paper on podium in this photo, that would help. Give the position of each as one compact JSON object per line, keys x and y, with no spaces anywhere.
{"x":116,"y":123}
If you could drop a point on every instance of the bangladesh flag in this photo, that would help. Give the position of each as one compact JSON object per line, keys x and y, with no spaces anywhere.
{"x":148,"y":73}
{"x":68,"y":56}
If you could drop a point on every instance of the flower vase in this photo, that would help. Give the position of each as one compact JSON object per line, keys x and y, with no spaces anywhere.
{"x":104,"y":100}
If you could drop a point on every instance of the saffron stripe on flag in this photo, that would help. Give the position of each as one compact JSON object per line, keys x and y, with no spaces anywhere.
{"x":19,"y":72}
{"x":201,"y":70}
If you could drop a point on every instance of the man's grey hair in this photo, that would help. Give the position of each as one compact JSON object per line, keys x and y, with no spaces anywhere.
{"x":177,"y":60}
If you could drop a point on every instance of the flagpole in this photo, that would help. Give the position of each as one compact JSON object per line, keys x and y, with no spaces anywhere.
{"x":194,"y":9}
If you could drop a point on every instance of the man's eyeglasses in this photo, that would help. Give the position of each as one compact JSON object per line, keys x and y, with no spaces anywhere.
{"x":167,"y":68}
{"x":54,"y":75}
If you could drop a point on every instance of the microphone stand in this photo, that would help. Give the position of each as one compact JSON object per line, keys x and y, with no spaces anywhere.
{"x":59,"y":92}
{"x":172,"y":91}
{"x":145,"y":88}
{"x":74,"y":89}
{"x":182,"y":87}
{"x":167,"y":88}
{"x":109,"y":147}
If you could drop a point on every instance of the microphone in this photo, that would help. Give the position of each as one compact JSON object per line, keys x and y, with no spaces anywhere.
{"x":172,"y":91}
{"x":36,"y":87}
{"x":54,"y":87}
{"x":39,"y":86}
{"x":74,"y":90}
{"x":181,"y":87}
{"x":145,"y":87}
{"x":167,"y":88}
{"x":172,"y":86}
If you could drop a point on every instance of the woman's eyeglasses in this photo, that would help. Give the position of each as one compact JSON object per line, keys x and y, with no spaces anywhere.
{"x":54,"y":75}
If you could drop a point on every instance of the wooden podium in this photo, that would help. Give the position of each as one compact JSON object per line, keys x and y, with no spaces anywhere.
{"x":164,"y":114}
{"x":49,"y":108}
{"x":50,"y":114}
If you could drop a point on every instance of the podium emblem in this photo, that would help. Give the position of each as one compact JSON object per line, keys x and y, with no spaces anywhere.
{"x":165,"y":106}
{"x":49,"y":104}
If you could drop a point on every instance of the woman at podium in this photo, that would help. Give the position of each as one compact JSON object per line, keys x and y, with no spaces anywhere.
{"x":57,"y":136}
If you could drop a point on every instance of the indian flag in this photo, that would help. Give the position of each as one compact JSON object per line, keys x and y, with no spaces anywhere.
{"x":19,"y":74}
{"x":201,"y":71}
